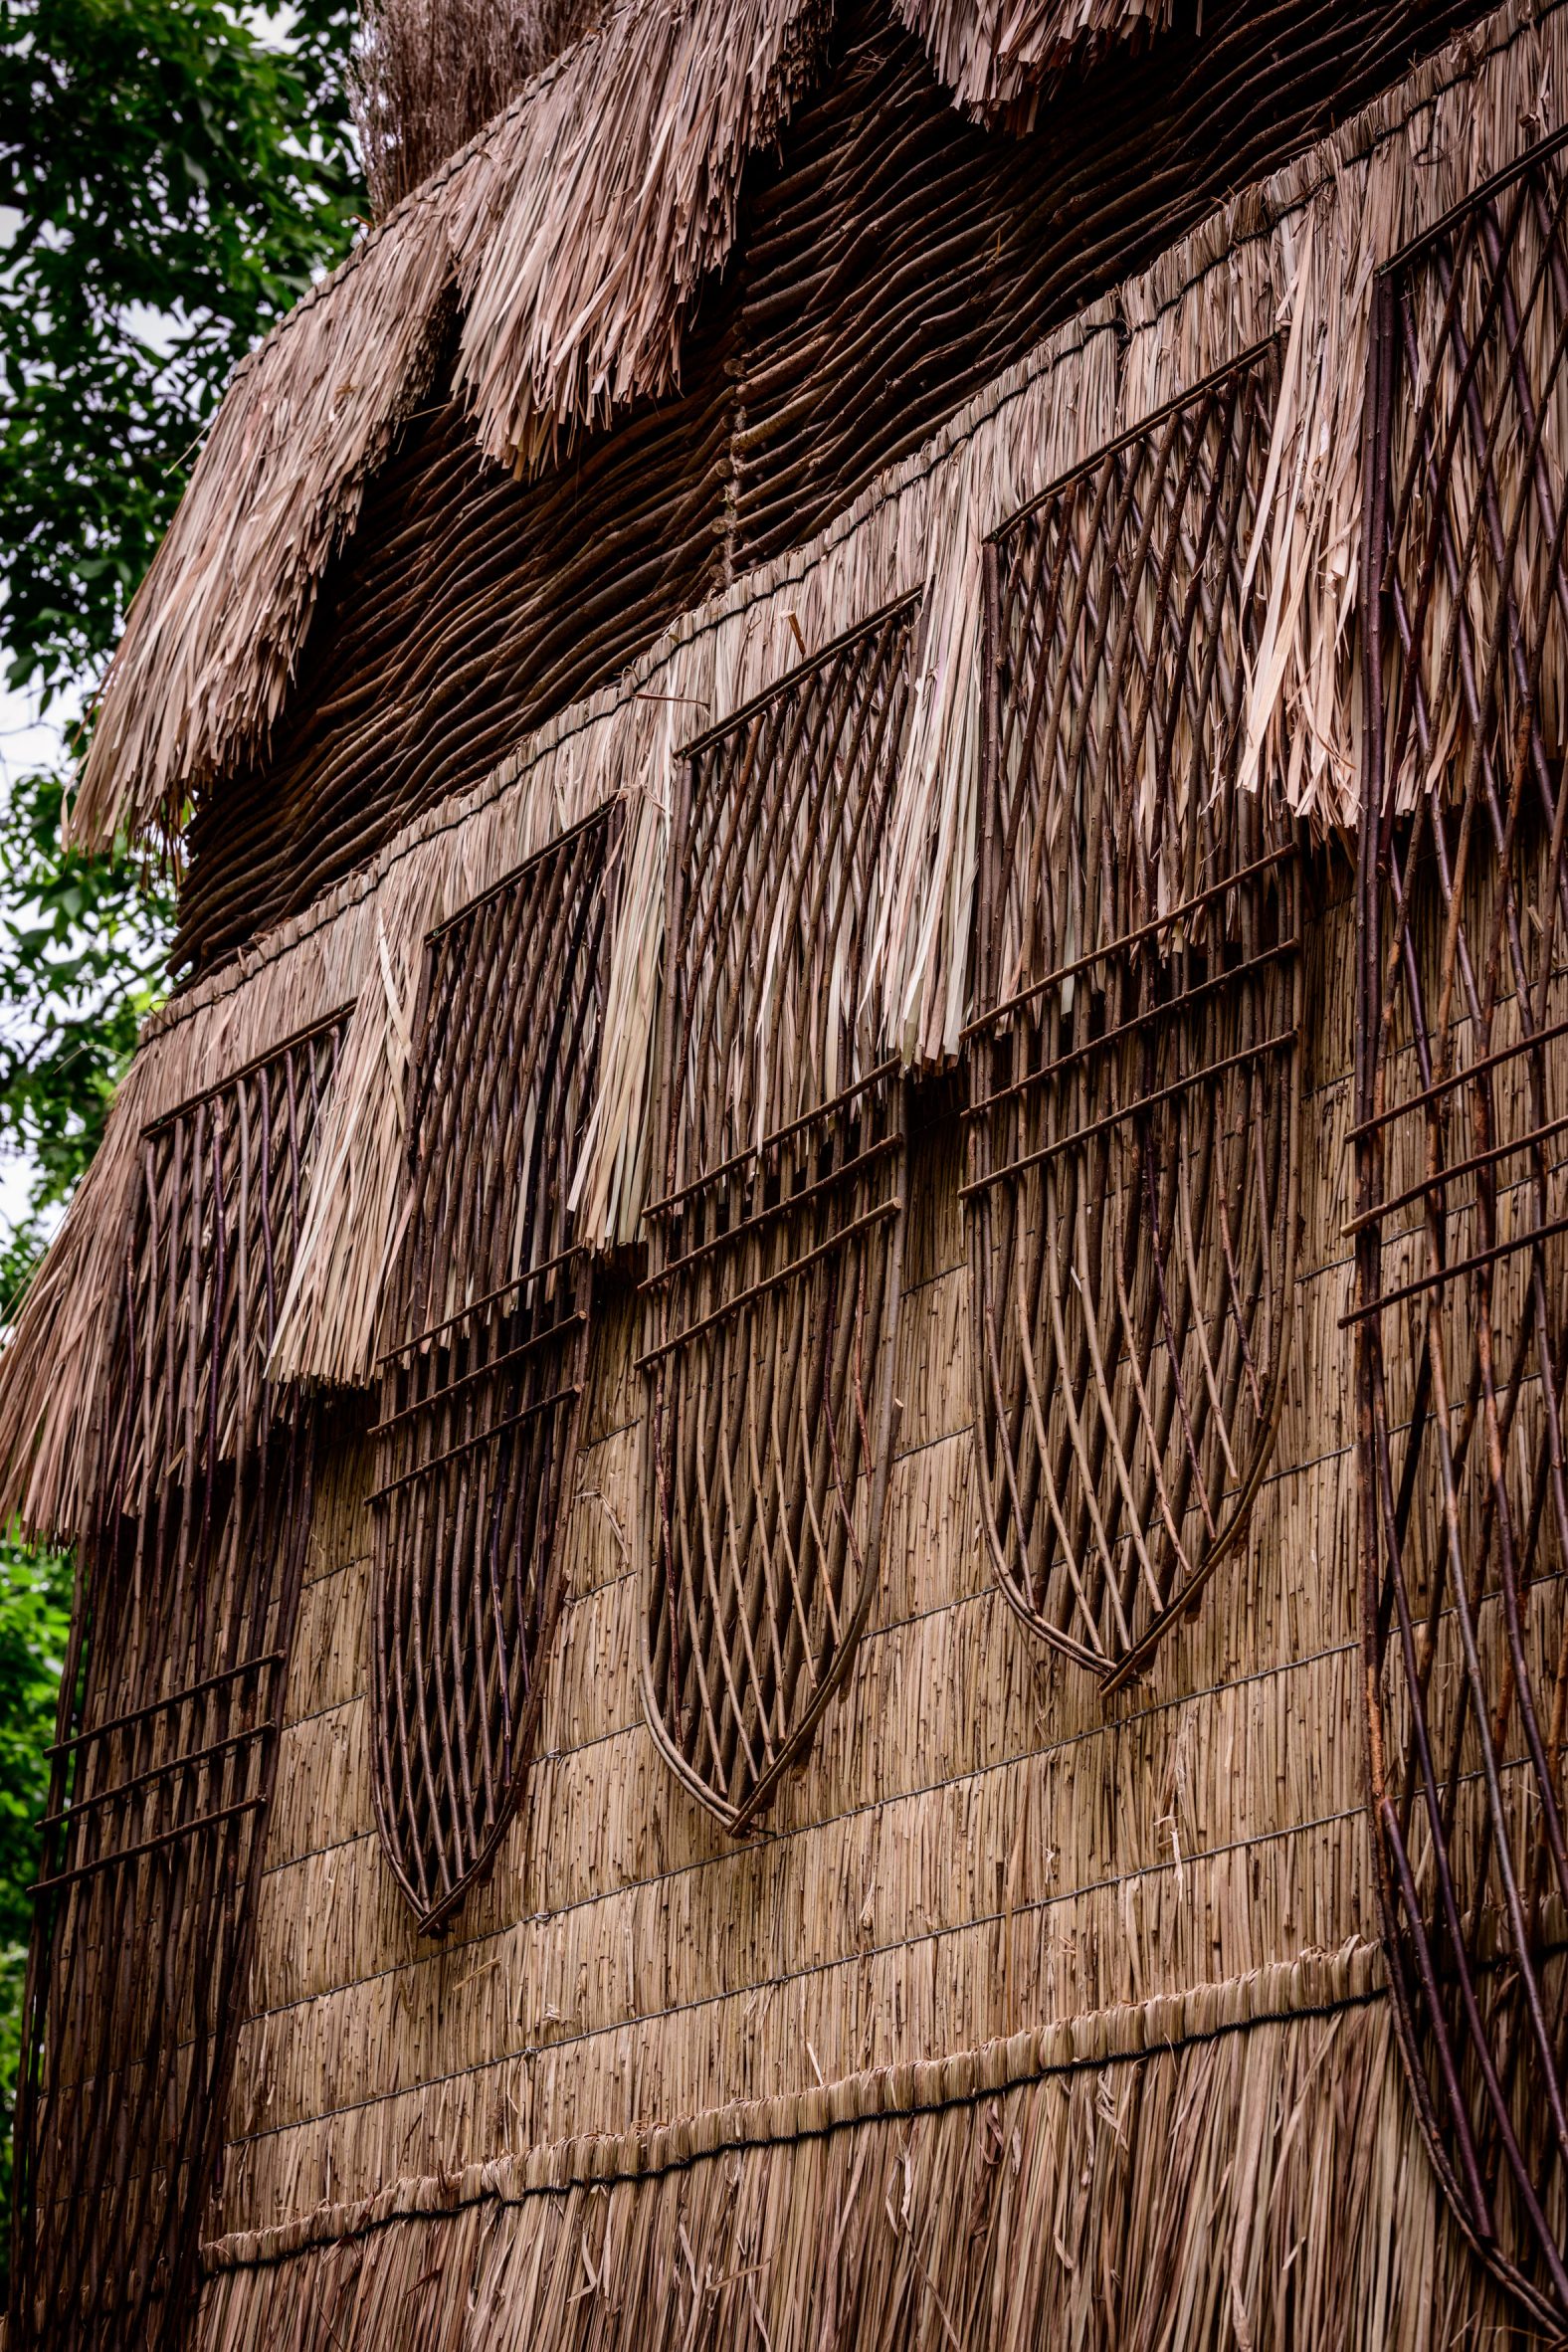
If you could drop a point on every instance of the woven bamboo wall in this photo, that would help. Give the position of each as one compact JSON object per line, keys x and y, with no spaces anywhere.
{"x":979,"y":1869}
{"x":977,"y":1846}
{"x":893,"y":259}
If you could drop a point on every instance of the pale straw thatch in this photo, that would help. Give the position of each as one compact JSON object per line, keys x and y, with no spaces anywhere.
{"x":658,"y":2086}
{"x":1233,"y":2165}
{"x":972,"y":1844}
{"x":1295,"y":253}
{"x":1000,"y":58}
{"x":574,"y":233}
{"x":653,"y":2072}
{"x":217,"y":625}
{"x":428,"y":74}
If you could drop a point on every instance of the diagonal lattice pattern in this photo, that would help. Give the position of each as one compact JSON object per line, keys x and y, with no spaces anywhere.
{"x":772,"y":1298}
{"x":1132,"y":1129}
{"x":775,"y":1304}
{"x":172,"y":1699}
{"x":478,"y":1396}
{"x":770,"y":938}
{"x":1462,"y":1212}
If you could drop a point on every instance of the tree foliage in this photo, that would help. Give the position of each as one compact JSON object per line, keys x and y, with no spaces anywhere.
{"x":179,"y":179}
{"x":173,"y":173}
{"x":80,"y":965}
{"x":34,"y":1620}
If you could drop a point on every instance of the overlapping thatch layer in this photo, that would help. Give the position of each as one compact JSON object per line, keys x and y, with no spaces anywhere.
{"x":1297,"y":252}
{"x":573,"y":233}
{"x":428,"y":74}
{"x":575,"y":229}
{"x":471,"y":606}
{"x":1235,"y":2165}
{"x":998,"y":58}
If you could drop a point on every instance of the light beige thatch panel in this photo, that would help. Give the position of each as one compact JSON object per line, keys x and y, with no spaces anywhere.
{"x":1131,"y":1938}
{"x":1194,"y":1774}
{"x":1087,"y":2171}
{"x":1046,"y":1826}
{"x":946,"y":1687}
{"x":916,"y":1927}
{"x":974,"y":1845}
{"x":323,"y":1770}
{"x":1339,"y":208}
{"x":998,"y":58}
{"x":327,"y":1665}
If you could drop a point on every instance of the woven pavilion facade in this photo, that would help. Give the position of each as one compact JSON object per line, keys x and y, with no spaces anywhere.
{"x":812,"y":1396}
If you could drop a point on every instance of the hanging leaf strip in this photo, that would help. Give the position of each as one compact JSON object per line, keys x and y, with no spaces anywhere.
{"x":171,"y":1704}
{"x":478,"y":1399}
{"x":772,"y":1302}
{"x":1461,"y":1217}
{"x":1134,"y":1083}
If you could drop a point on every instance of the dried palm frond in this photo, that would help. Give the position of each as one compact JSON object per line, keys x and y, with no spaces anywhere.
{"x":1001,"y":58}
{"x":575,"y":230}
{"x":428,"y":74}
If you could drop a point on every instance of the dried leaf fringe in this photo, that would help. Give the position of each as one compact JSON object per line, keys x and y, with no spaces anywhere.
{"x":1295,"y":253}
{"x":576,"y":228}
{"x":428,"y":75}
{"x":1002,"y":58}
{"x":1235,"y":2166}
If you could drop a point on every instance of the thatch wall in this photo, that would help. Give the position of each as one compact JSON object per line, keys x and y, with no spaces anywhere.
{"x":887,"y":262}
{"x":972,"y":1842}
{"x":1024,"y":2001}
{"x":1149,"y":1924}
{"x":1231,"y":2168}
{"x":1298,"y":248}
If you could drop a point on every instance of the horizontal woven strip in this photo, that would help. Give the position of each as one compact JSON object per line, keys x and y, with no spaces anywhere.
{"x":1316,"y":1985}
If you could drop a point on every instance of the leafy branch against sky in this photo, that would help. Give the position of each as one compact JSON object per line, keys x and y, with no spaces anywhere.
{"x":173,"y":174}
{"x":174,"y":179}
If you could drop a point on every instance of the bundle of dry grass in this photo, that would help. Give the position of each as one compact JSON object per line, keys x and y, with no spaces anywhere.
{"x":428,"y":74}
{"x":1002,"y":58}
{"x":574,"y":232}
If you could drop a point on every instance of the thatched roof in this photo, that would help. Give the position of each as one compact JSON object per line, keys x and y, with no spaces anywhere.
{"x":428,"y":74}
{"x":1293,"y":253}
{"x":1000,"y":58}
{"x":572,"y":236}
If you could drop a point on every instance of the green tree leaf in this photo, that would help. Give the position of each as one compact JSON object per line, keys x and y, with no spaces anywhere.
{"x":173,"y":174}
